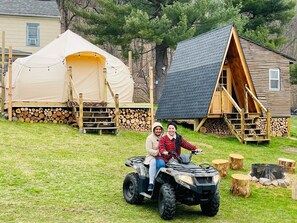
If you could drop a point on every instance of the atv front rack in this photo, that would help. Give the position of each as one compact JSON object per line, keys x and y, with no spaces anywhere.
{"x":202,"y":168}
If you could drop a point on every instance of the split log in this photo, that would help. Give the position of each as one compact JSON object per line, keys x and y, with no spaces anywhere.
{"x":240,"y":185}
{"x":288,"y":164}
{"x":236,"y":161}
{"x":222,"y":166}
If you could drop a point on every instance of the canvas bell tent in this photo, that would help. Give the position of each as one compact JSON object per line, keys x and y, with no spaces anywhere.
{"x":44,"y":76}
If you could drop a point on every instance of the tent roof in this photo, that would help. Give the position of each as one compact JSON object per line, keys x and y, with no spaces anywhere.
{"x":69,"y":43}
{"x":193,"y":75}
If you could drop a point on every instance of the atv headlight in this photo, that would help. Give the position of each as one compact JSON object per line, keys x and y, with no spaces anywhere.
{"x":216,"y":178}
{"x":185,"y":178}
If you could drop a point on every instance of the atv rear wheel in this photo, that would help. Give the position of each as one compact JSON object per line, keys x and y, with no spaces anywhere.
{"x":167,"y":202}
{"x":131,"y":189}
{"x":211,"y":208}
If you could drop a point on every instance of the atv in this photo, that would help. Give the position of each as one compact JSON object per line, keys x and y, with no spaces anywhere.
{"x":180,"y":181}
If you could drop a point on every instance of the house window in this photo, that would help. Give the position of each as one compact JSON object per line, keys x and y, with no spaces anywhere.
{"x":274,"y":79}
{"x":33,"y":35}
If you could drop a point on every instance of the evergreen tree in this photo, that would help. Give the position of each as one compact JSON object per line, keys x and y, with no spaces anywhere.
{"x":161,"y":22}
{"x":267,"y":19}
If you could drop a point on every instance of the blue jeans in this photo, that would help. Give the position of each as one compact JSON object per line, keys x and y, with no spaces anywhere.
{"x":159,"y":163}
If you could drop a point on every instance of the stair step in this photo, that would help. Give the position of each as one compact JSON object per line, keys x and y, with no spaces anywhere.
{"x":103,"y":123}
{"x":101,"y":128}
{"x":256,"y":140}
{"x":252,"y":115}
{"x":255,"y":136}
{"x":98,"y":117}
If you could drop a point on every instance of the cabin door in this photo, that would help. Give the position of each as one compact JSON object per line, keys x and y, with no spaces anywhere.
{"x":220,"y":103}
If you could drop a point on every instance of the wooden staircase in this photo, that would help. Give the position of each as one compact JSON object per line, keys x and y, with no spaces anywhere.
{"x":243,"y":123}
{"x":93,"y":116}
{"x":97,"y":119}
{"x":248,"y":131}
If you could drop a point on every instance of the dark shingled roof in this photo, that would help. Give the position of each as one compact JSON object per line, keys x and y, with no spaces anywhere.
{"x":192,"y":77}
{"x":43,"y":8}
{"x":16,"y":52}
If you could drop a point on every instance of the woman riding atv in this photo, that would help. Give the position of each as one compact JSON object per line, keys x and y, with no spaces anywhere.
{"x":172,"y":142}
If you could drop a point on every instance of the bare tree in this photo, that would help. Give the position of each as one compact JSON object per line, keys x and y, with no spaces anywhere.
{"x":68,"y":17}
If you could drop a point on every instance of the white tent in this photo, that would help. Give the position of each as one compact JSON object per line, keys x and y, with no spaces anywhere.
{"x":43,"y":76}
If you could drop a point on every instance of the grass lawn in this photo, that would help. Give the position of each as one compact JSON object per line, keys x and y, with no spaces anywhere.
{"x":51,"y":173}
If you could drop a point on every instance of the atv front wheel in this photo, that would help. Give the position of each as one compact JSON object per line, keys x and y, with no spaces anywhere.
{"x":131,"y":189}
{"x":167,"y":202}
{"x":211,"y":208}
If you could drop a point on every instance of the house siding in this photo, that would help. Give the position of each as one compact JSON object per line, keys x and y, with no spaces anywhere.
{"x":259,"y":61}
{"x":15,"y":31}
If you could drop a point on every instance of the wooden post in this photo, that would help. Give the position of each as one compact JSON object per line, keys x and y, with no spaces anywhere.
{"x":117,"y":109}
{"x":289,"y":127}
{"x":196,"y":123}
{"x":130,"y":61}
{"x":242,"y":124}
{"x":268,"y":124}
{"x":151,"y":75}
{"x":105,"y":85}
{"x":10,"y":85}
{"x":81,"y":111}
{"x":246,"y":100}
{"x":240,"y":185}
{"x":222,"y":99}
{"x":294,"y":190}
{"x":70,"y":84}
{"x":3,"y":67}
{"x":200,"y":125}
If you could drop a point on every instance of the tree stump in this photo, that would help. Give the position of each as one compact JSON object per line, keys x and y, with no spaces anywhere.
{"x":288,"y":164}
{"x":222,"y":166}
{"x":240,"y":185}
{"x":294,"y":191}
{"x":236,"y":161}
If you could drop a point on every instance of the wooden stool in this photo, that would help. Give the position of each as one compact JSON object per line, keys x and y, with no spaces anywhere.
{"x":289,"y":165}
{"x":240,"y":185}
{"x":294,"y":191}
{"x":222,"y":166}
{"x":236,"y":161}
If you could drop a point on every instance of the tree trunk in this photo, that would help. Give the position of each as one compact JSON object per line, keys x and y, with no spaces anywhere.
{"x":161,"y":71}
{"x":64,"y":15}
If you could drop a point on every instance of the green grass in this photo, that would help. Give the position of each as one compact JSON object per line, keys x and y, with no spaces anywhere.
{"x":51,"y":173}
{"x":294,"y":127}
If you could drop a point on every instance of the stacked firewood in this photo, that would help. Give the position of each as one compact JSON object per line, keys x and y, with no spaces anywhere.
{"x":47,"y":115}
{"x":215,"y":126}
{"x":134,"y":118}
{"x":278,"y":126}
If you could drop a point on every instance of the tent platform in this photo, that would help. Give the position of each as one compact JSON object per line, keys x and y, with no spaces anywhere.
{"x":64,"y":105}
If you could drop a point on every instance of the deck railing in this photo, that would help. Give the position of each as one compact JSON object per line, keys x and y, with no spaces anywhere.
{"x":248,"y":92}
{"x":239,"y":110}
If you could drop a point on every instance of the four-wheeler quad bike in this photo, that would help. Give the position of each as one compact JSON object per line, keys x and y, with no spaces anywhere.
{"x":180,"y":181}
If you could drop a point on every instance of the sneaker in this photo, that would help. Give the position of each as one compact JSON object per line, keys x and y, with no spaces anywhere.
{"x":150,"y":187}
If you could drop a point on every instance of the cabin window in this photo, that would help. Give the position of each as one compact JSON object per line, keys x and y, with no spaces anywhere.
{"x":223,"y":80}
{"x":32,"y":34}
{"x":274,"y":79}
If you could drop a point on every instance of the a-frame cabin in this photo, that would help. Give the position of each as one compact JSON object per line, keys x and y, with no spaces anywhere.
{"x":209,"y":78}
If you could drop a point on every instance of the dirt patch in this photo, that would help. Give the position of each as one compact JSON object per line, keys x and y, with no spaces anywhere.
{"x":290,"y":150}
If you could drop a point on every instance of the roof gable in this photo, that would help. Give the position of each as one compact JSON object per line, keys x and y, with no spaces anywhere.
{"x":193,"y":75}
{"x":43,"y":8}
